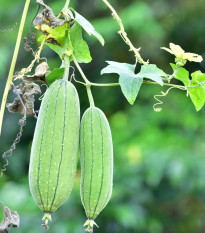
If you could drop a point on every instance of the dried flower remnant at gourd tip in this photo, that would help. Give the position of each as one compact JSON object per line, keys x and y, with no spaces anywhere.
{"x":181,"y":55}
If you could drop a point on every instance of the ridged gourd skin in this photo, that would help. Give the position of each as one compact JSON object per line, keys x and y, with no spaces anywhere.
{"x":96,"y":152}
{"x":55,"y":146}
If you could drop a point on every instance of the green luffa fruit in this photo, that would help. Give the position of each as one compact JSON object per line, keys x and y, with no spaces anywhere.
{"x":55,"y":147}
{"x":96,"y":151}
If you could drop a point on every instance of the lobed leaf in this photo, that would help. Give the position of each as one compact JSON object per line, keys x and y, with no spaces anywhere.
{"x":152,"y":72}
{"x":130,"y":83}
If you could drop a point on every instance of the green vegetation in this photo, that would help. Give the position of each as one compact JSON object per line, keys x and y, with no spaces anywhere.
{"x":159,"y":175}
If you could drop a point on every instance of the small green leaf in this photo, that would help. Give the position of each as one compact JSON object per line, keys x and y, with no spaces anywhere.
{"x":130,"y":83}
{"x":60,"y":50}
{"x":57,"y":73}
{"x":182,"y":75}
{"x":197,"y":95}
{"x":87,"y":26}
{"x":80,"y":47}
{"x":58,"y":34}
{"x":72,"y":43}
{"x":198,"y":76}
{"x":152,"y":72}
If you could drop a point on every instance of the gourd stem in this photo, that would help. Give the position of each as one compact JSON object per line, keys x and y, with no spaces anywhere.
{"x":67,"y":67}
{"x":80,"y":70}
{"x":13,"y":63}
{"x":90,"y":96}
{"x":87,"y":82}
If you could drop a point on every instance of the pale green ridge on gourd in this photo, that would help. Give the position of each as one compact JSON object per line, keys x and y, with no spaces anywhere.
{"x":96,"y":151}
{"x":55,"y":146}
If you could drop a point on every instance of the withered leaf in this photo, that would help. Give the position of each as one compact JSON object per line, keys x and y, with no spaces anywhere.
{"x":26,"y":91}
{"x":41,"y":71}
{"x":47,"y":17}
{"x":10,"y":218}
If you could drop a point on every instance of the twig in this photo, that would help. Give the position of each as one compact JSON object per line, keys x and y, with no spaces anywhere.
{"x":36,"y":58}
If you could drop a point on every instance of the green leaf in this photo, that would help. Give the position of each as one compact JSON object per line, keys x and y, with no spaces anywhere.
{"x":65,"y":45}
{"x":197,"y":95}
{"x":72,"y":43}
{"x":59,"y":50}
{"x":130,"y":83}
{"x":152,"y":72}
{"x":182,"y":74}
{"x":87,"y":26}
{"x":57,"y":73}
{"x":80,"y":47}
{"x":58,"y":34}
{"x":198,"y":76}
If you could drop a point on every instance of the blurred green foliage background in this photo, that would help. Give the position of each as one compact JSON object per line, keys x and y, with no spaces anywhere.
{"x":159,"y":158}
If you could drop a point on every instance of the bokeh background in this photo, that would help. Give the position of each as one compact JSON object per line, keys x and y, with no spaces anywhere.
{"x":159,"y":158}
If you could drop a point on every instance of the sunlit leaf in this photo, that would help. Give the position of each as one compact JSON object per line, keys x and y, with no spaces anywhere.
{"x":197,"y":95}
{"x":72,"y":43}
{"x":60,"y":50}
{"x":182,"y":74}
{"x":198,"y":76}
{"x":57,"y":34}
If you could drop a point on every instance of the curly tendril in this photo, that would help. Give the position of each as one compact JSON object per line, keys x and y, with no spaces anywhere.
{"x":159,"y":102}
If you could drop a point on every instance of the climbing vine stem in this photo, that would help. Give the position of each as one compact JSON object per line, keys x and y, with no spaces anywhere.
{"x":13,"y":63}
{"x":124,"y":36}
